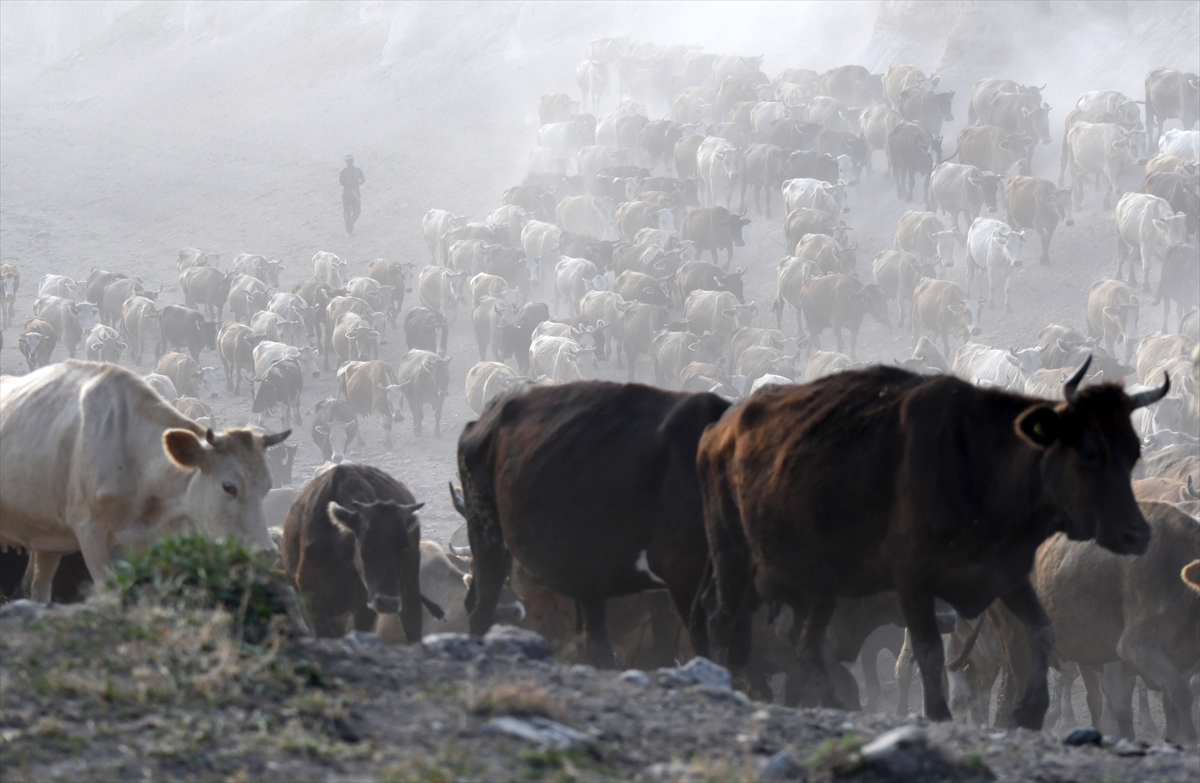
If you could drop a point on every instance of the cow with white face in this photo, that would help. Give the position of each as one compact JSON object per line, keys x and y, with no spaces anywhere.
{"x":1147,"y":224}
{"x":557,"y":358}
{"x":1180,"y":143}
{"x":814,"y":194}
{"x":163,"y":475}
{"x":994,"y":246}
{"x":721,"y":167}
{"x":996,"y":368}
{"x":573,"y":277}
{"x":328,"y":269}
{"x":1103,"y":148}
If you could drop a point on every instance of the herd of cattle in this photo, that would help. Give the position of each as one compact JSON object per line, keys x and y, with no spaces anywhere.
{"x":720,"y":511}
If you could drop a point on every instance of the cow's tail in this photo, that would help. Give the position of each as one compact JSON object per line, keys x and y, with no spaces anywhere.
{"x":1062,"y":166}
{"x":949,"y":158}
{"x":960,"y":660}
{"x":698,"y":618}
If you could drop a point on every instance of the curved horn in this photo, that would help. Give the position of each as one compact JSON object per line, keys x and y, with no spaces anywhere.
{"x":1142,"y":399}
{"x":276,"y":438}
{"x":1191,"y":490}
{"x":461,"y":551}
{"x":1071,"y":387}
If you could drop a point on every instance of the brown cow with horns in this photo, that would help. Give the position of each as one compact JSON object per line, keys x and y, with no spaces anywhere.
{"x":966,"y":483}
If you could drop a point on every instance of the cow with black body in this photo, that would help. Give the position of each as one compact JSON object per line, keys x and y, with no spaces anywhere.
{"x":351,"y":546}
{"x":421,"y":327}
{"x":425,"y":380}
{"x":529,"y":470}
{"x":334,"y":428}
{"x":183,"y":327}
{"x":513,"y":338}
{"x":713,"y":229}
{"x":280,"y":385}
{"x":970,"y":482}
{"x":913,"y":153}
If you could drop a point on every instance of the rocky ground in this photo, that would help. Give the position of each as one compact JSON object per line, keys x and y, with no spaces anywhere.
{"x":100,"y":692}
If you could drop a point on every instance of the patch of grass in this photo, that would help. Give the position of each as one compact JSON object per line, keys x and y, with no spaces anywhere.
{"x":449,"y":764}
{"x":196,"y":572}
{"x":522,"y":699}
{"x":836,"y":753}
{"x":974,"y":760}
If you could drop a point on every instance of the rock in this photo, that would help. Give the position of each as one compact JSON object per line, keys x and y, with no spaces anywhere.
{"x":698,"y":671}
{"x":1126,"y":747}
{"x":24,"y":609}
{"x":536,"y":729}
{"x":781,"y":766}
{"x":510,"y":640}
{"x":358,"y":639}
{"x":723,"y":694}
{"x":1083,"y":737}
{"x":906,"y":754}
{"x":674,"y":772}
{"x":459,"y":646}
{"x":634,"y":675}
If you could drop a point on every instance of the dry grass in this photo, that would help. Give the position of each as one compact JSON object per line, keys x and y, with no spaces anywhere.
{"x":523,"y":699}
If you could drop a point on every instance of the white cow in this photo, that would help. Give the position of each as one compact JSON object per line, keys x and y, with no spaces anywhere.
{"x":435,"y":223}
{"x":993,"y":245}
{"x":441,"y":290}
{"x":586,"y":215}
{"x":488,"y":380}
{"x":328,"y":269}
{"x":592,"y":78}
{"x":814,"y":194}
{"x":57,"y":285}
{"x":556,"y":358}
{"x":546,"y":160}
{"x":1181,"y":143}
{"x":1146,"y":224}
{"x":1103,"y":148}
{"x":993,"y":367}
{"x":565,"y":138}
{"x":1115,"y":103}
{"x":163,"y":386}
{"x":541,"y":240}
{"x":573,"y":277}
{"x":72,"y":483}
{"x":268,"y":352}
{"x":721,"y":167}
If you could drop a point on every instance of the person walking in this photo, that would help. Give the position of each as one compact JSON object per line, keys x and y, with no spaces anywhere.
{"x":351,"y":178}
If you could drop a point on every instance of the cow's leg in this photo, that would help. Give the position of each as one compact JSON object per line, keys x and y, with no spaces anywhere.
{"x":387,"y":429}
{"x":904,"y":675}
{"x":364,"y":618}
{"x":43,"y":566}
{"x":869,"y":655}
{"x":919,"y":614}
{"x":437,"y":417}
{"x":1046,"y":234}
{"x":599,"y":648}
{"x":816,"y":685}
{"x":1149,"y":658}
{"x":730,"y":561}
{"x":1023,"y":602}
{"x":1145,"y":721}
{"x":1116,"y":684}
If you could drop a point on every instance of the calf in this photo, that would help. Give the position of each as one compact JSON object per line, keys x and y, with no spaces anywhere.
{"x":351,"y":546}
{"x":424,"y":379}
{"x":1148,"y":225}
{"x":372,"y":389}
{"x":713,"y":229}
{"x":993,"y":246}
{"x":839,"y":302}
{"x":943,"y":307}
{"x":1037,"y":204}
{"x":334,"y":428}
{"x":421,"y":327}
{"x":767,"y":521}
{"x":636,"y":529}
{"x":182,"y":327}
{"x":1112,"y":314}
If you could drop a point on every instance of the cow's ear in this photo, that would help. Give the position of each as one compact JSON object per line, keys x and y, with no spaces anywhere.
{"x":1039,"y":426}
{"x":343,"y":518}
{"x":185,"y":449}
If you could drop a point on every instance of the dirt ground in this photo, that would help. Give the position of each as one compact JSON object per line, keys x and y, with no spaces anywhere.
{"x":171,"y":129}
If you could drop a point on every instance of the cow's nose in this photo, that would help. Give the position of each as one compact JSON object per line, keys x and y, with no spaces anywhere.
{"x":1069,"y":223}
{"x":214,"y":395}
{"x":316,"y":373}
{"x":385,"y":604}
{"x":975,"y":330}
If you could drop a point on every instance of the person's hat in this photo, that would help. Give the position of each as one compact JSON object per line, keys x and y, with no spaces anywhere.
{"x":349,"y":157}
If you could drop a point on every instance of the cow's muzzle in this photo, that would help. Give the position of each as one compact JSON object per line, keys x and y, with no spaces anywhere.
{"x":975,"y":331}
{"x":1069,"y":223}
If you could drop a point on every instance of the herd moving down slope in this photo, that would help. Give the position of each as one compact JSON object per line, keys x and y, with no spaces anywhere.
{"x":593,"y":267}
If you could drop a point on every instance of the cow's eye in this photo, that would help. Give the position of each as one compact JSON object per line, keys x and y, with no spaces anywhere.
{"x":230,"y":488}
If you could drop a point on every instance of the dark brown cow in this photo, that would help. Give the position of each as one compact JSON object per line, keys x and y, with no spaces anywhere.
{"x":37,"y":342}
{"x":942,"y":307}
{"x":802,"y":221}
{"x":764,"y":170}
{"x":703,"y":276}
{"x":1177,"y":190}
{"x":529,"y":470}
{"x":639,"y":323}
{"x":183,"y":327}
{"x":641,"y":287}
{"x":926,"y":108}
{"x":205,"y":285}
{"x":1180,"y":283}
{"x":425,"y":380}
{"x":967,"y":483}
{"x":235,"y":343}
{"x":1038,"y":204}
{"x":839,"y":302}
{"x":913,"y":153}
{"x":351,"y":545}
{"x":513,"y":338}
{"x":713,"y":229}
{"x":1170,"y":95}
{"x":993,"y":149}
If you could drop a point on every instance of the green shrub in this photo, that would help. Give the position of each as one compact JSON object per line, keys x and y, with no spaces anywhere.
{"x":197,"y":572}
